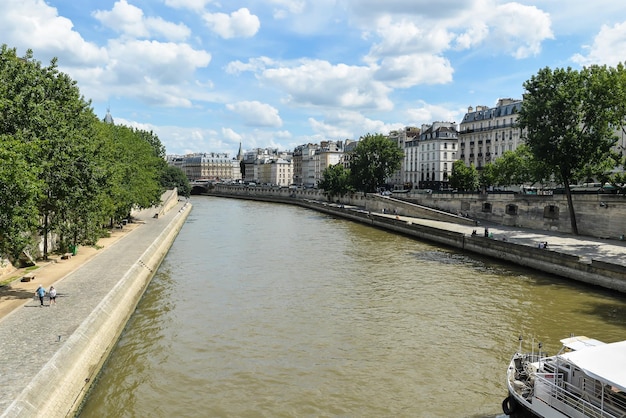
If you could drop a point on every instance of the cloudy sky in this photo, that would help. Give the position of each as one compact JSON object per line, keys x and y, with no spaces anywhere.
{"x":207,"y":75}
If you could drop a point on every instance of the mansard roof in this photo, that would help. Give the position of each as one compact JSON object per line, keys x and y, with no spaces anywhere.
{"x":509,"y":107}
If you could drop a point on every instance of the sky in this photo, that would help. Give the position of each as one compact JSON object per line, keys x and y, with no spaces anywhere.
{"x":209,"y":75}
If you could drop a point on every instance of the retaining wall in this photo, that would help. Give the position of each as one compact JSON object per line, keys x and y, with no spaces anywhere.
{"x":85,"y":351}
{"x":598,"y":273}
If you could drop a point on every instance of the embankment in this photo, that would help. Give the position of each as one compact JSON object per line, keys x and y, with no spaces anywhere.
{"x":58,"y":389}
{"x":594,"y":272}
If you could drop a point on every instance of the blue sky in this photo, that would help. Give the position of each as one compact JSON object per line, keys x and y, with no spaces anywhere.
{"x":206,"y":75}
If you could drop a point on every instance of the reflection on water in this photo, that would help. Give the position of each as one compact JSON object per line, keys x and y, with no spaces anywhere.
{"x":266,"y":310}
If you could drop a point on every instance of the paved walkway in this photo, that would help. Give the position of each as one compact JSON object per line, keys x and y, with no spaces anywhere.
{"x":586,"y":248}
{"x":30,"y":334}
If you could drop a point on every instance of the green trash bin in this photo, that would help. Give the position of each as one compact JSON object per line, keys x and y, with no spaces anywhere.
{"x":73,"y":249}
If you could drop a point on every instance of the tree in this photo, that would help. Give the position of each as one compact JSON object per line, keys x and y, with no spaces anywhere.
{"x":335,"y":181}
{"x":64,"y":172}
{"x":174,"y":177}
{"x":463,"y":177}
{"x":19,"y":192}
{"x":375,"y":159}
{"x":518,"y":167}
{"x":134,"y":171}
{"x":568,"y":118}
{"x":42,"y":108}
{"x":487,"y":177}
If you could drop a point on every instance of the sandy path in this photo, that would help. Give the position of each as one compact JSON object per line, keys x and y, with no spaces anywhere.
{"x":17,"y":293}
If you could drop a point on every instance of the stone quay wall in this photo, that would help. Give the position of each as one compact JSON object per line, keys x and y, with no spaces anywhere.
{"x":88,"y":347}
{"x":598,"y":215}
{"x":598,"y":273}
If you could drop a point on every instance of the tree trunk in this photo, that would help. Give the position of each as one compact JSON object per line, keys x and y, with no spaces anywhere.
{"x":45,"y":236}
{"x":570,"y":205}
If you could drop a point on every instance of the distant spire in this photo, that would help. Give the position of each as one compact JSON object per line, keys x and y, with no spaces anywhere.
{"x":108,"y":118}
{"x":240,"y":153}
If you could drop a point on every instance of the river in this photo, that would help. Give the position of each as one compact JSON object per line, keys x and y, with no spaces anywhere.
{"x":270,"y":310}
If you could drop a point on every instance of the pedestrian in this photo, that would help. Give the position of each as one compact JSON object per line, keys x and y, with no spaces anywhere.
{"x":41,"y":292}
{"x":52,"y":295}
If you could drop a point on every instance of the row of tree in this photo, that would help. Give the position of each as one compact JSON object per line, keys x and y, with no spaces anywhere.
{"x":569,"y":121}
{"x":64,"y":174}
{"x":374,"y":159}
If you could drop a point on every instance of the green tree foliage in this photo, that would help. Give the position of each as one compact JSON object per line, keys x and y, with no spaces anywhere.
{"x":487,"y":177}
{"x":19,"y":191}
{"x":336,"y":181}
{"x":375,"y":159}
{"x":64,"y":172}
{"x":569,"y":118}
{"x":173,"y":177}
{"x":464,"y":178}
{"x":519,"y":167}
{"x":134,"y":171}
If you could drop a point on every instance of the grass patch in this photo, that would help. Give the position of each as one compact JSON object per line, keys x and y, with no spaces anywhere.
{"x":9,"y":280}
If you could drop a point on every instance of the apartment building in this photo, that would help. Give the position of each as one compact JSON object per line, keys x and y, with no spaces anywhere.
{"x":267,"y":166}
{"x":403,"y":138}
{"x":310,"y":160}
{"x":437,"y":151}
{"x":486,"y":133}
{"x":303,"y":165}
{"x":206,"y":166}
{"x":275,"y":171}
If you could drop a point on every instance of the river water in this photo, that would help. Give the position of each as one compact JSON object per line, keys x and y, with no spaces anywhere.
{"x":269,"y":310}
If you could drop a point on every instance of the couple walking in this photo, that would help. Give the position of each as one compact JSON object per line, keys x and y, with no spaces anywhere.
{"x":41,"y":292}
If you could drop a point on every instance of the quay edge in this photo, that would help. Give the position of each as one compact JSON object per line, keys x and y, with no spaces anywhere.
{"x":602,"y":273}
{"x":59,"y":388}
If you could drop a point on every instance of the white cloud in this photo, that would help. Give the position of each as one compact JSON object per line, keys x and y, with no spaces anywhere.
{"x":349,"y":125}
{"x":256,"y":113}
{"x":427,"y":113}
{"x":403,"y":36}
{"x":286,"y":7}
{"x":476,"y":33}
{"x":428,"y":9}
{"x":231,"y":135}
{"x":329,"y":131}
{"x":167,"y":63}
{"x":153,"y":72}
{"x":129,"y":20}
{"x":196,"y":5}
{"x":607,"y":48}
{"x":32,"y":24}
{"x":239,"y":24}
{"x":319,"y":83}
{"x":412,"y":70}
{"x":253,"y":64}
{"x":518,"y":30}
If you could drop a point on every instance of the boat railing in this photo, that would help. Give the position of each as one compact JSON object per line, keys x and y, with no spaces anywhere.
{"x":569,"y":399}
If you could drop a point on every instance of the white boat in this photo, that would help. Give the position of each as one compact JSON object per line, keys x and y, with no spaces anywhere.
{"x":587,"y":378}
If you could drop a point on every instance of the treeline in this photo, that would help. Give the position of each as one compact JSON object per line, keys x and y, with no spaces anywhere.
{"x":64,"y":173}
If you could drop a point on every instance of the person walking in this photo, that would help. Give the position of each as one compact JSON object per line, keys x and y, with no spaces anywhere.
{"x":52,"y":294}
{"x":41,"y":292}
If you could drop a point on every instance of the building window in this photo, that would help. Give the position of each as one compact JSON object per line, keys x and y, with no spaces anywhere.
{"x":511,"y":209}
{"x":487,"y":207}
{"x":551,"y":212}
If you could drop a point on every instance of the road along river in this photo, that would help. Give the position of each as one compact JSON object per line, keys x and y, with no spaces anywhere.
{"x":269,"y":310}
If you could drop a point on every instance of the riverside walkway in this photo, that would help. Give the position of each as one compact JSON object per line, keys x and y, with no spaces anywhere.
{"x":586,"y":248}
{"x":30,"y":336}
